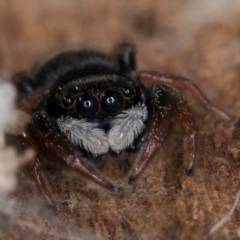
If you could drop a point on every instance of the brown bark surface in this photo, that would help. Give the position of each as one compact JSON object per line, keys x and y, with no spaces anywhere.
{"x":196,"y":39}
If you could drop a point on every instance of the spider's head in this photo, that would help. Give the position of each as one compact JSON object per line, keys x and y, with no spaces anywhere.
{"x":99,"y":113}
{"x":94,"y":97}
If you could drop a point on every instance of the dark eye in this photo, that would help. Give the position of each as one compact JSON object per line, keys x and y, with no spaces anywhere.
{"x":87,"y":105}
{"x":112,"y":101}
{"x":67,"y":101}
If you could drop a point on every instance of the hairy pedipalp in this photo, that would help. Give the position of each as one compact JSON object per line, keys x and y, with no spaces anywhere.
{"x":126,"y":127}
{"x":85,"y":134}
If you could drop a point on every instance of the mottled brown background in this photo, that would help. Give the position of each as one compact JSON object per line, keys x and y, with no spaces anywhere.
{"x":197,"y":39}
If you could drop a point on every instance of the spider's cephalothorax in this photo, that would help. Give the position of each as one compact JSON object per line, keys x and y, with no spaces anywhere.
{"x":96,"y":106}
{"x":85,"y":102}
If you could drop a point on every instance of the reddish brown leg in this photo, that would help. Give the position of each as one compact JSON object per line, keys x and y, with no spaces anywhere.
{"x":150,"y":78}
{"x":57,"y":148}
{"x":126,"y":57}
{"x":159,"y":128}
{"x":31,"y":101}
{"x":34,"y":172}
{"x":187,"y":121}
{"x":41,"y":136}
{"x":23,"y":83}
{"x":169,"y":106}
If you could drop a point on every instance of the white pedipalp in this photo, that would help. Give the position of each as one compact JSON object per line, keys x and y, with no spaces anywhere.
{"x":84,"y":134}
{"x":126,"y":127}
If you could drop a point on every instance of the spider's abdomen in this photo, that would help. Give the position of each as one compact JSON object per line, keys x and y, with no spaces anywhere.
{"x":69,"y":66}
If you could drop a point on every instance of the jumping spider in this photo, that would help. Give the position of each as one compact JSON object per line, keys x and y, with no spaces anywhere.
{"x":83,"y":103}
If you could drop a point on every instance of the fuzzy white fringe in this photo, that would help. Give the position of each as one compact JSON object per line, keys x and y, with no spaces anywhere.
{"x":10,"y":161}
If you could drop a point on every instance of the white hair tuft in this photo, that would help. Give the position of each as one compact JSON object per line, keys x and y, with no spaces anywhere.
{"x":126,"y":127}
{"x":85,"y":134}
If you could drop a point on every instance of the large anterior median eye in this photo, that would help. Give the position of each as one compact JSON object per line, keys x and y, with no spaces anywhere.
{"x":112,"y":101}
{"x":87,"y":105}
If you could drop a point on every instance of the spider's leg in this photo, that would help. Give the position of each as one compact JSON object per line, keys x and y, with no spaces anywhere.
{"x":54,"y":145}
{"x":186,"y":120}
{"x":24,"y":84}
{"x":159,"y":126}
{"x":126,"y":57}
{"x":149,"y":78}
{"x":169,"y":106}
{"x":34,"y":171}
{"x":31,"y":101}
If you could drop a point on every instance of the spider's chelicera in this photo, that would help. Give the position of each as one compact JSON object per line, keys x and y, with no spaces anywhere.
{"x":84,"y":104}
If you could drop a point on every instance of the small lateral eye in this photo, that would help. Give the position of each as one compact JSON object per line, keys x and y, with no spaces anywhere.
{"x":87,"y":105}
{"x":128,"y":92}
{"x":67,"y":101}
{"x":112,"y":101}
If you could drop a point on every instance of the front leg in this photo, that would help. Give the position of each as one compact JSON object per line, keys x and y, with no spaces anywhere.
{"x":168,"y":107}
{"x":34,"y":171}
{"x":59,"y":149}
{"x":40,"y":136}
{"x":159,"y":126}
